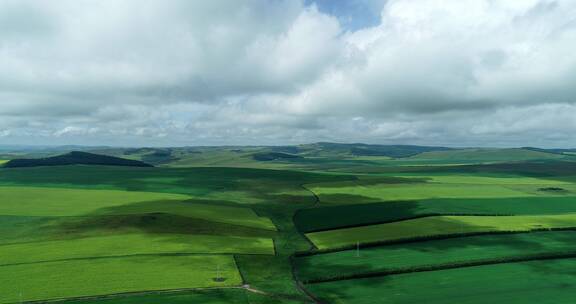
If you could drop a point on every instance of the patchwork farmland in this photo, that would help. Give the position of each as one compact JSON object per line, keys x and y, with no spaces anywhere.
{"x":324,"y":227}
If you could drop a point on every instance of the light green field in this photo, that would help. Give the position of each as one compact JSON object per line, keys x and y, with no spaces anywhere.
{"x":543,"y":282}
{"x":437,"y":226}
{"x":3,"y":161}
{"x":411,"y":256}
{"x":484,"y":180}
{"x":38,"y":201}
{"x":53,"y":280}
{"x":486,"y":155}
{"x":393,"y":192}
{"x":131,"y":244}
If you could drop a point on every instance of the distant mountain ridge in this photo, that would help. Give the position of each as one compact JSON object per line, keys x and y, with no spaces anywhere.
{"x":303,"y":154}
{"x":75,"y":158}
{"x":394,"y":151}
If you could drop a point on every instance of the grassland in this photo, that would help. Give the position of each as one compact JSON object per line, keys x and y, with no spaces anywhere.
{"x":113,"y":275}
{"x":444,"y":178}
{"x":81,"y":214}
{"x":434,"y":253}
{"x":132,"y":244}
{"x":42,"y":201}
{"x":549,"y":282}
{"x":78,"y":231}
{"x":207,"y":296}
{"x":487,"y":155}
{"x":341,"y":216}
{"x":341,"y":193}
{"x":437,"y":226}
{"x":36,"y":201}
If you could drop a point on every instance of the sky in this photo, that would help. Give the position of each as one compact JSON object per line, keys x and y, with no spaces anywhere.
{"x":274,"y":72}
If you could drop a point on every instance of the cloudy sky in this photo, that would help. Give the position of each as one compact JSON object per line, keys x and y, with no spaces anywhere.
{"x":213,"y":72}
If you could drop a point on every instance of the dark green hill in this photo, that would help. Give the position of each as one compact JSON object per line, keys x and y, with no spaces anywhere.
{"x":394,"y":151}
{"x":269,"y":156}
{"x":75,"y":158}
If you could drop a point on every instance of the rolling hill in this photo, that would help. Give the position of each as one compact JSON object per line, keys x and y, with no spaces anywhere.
{"x":75,"y":158}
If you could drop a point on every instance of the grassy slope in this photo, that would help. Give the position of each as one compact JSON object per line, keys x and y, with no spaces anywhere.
{"x":354,"y":193}
{"x":86,"y":277}
{"x":18,"y":229}
{"x":38,"y":201}
{"x":131,"y":244}
{"x":436,"y":252}
{"x":274,"y":194}
{"x":487,"y":155}
{"x":65,"y":202}
{"x":232,"y":185}
{"x":331,"y":217}
{"x":221,"y":296}
{"x":437,"y":226}
{"x":547,"y":282}
{"x":208,"y":296}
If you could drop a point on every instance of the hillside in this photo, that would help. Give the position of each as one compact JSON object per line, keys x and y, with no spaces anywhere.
{"x":488,"y":155}
{"x":75,"y":158}
{"x":358,"y":149}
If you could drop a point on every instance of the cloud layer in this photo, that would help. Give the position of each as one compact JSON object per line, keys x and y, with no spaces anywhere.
{"x":178,"y":72}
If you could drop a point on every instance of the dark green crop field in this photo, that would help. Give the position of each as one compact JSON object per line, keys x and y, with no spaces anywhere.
{"x":551,"y":281}
{"x":410,"y":257}
{"x":333,"y":217}
{"x":317,"y":223}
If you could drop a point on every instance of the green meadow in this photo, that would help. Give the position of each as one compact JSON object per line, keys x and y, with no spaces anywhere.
{"x":340,"y":216}
{"x":204,"y":296}
{"x":434,"y":253}
{"x":435,"y":226}
{"x":132,"y":244}
{"x":90,"y":277}
{"x":342,"y":192}
{"x":260,"y":225}
{"x":550,"y":282}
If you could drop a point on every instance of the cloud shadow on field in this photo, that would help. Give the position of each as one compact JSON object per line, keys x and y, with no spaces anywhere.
{"x":153,"y":217}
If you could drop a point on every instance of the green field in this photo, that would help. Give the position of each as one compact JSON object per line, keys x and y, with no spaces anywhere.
{"x":84,"y":231}
{"x":550,"y":282}
{"x":353,"y":192}
{"x":434,"y":253}
{"x":331,"y":217}
{"x":63,"y":279}
{"x":437,"y":226}
{"x":205,"y":296}
{"x":38,"y":201}
{"x":443,"y":178}
{"x":132,"y":244}
{"x":486,"y":155}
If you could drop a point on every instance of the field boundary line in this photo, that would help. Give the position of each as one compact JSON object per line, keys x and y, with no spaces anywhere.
{"x":127,"y":294}
{"x":299,"y":285}
{"x":130,"y":256}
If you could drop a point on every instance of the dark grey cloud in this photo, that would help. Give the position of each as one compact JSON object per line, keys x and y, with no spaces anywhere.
{"x":162,"y":72}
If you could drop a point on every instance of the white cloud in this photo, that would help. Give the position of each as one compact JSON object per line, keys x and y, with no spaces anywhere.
{"x":166,"y":72}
